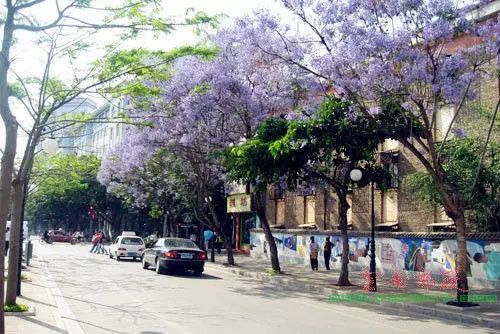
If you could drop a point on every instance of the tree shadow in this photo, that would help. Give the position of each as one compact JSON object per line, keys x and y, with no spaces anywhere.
{"x":273,"y":291}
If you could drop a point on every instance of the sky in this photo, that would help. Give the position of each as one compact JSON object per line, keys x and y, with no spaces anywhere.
{"x":28,"y":56}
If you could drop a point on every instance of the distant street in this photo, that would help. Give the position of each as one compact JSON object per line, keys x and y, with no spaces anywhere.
{"x":105,"y":296}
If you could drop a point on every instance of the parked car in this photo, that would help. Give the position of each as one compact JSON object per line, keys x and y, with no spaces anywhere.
{"x":126,"y":246}
{"x":169,"y":254}
{"x":60,"y":236}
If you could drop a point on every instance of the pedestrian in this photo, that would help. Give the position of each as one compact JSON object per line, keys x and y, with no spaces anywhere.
{"x":327,"y":252}
{"x":313,"y":254}
{"x":100,"y":247}
{"x":192,"y":237}
{"x":95,"y":242}
{"x":7,"y":239}
{"x":218,"y":243}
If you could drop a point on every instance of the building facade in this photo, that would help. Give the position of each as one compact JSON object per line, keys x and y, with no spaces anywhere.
{"x":397,"y":208}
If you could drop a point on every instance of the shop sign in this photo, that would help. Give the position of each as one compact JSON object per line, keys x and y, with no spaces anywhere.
{"x":238,"y":203}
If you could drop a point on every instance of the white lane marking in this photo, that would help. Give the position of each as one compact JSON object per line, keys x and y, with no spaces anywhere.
{"x":68,"y":317}
{"x":51,"y":300}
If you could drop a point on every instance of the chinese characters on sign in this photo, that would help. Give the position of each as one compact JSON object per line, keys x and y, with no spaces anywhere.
{"x":238,"y":203}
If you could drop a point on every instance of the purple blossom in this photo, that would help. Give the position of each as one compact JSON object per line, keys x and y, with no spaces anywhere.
{"x":459,"y":132}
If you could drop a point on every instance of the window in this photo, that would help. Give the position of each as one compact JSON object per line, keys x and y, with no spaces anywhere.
{"x":132,"y":241}
{"x":280,"y":215}
{"x":179,"y":243}
{"x":310,"y":210}
{"x":443,"y":217}
{"x":443,"y":121}
{"x":389,"y":207}
{"x":390,"y":163}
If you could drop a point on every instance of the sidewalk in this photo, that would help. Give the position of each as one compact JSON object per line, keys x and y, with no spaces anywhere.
{"x":37,"y":294}
{"x":412,"y":298}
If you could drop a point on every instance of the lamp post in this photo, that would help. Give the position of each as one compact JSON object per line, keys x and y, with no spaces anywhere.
{"x":356,"y":175}
{"x":208,"y":200}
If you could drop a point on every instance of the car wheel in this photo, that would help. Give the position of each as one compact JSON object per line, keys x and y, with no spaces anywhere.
{"x":145,"y":265}
{"x":135,"y":259}
{"x":117,"y":258}
{"x":198,"y":272}
{"x":73,"y":241}
{"x":159,"y":269}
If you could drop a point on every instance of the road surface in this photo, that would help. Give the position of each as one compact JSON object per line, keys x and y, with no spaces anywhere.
{"x":101,"y":295}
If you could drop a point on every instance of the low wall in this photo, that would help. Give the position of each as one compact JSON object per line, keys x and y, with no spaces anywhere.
{"x":416,"y":255}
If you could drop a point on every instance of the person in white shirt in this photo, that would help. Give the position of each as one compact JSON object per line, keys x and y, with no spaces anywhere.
{"x":193,"y":237}
{"x":7,"y":239}
{"x":313,"y":254}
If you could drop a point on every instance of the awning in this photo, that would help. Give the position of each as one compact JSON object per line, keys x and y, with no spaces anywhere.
{"x":387,"y":224}
{"x":277,"y":226}
{"x":442,"y":224}
{"x":307,"y":226}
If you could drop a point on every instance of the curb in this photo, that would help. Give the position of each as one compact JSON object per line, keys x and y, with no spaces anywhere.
{"x":22,"y":314}
{"x":411,"y":308}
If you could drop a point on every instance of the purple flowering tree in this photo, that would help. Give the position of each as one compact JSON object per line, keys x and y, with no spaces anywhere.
{"x":206,"y":105}
{"x":410,"y":58}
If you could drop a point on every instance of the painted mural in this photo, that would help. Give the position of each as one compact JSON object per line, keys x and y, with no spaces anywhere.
{"x":416,"y":255}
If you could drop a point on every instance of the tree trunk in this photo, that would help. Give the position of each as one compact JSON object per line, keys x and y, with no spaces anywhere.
{"x":9,"y":151}
{"x":166,"y":228}
{"x":344,"y":269}
{"x":454,"y":208}
{"x":273,"y":250}
{"x":15,"y":233}
{"x":228,"y":244}
{"x":461,"y":263}
{"x":7,"y":168}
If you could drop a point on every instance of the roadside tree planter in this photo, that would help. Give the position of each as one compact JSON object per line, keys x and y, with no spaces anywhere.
{"x":19,"y":310}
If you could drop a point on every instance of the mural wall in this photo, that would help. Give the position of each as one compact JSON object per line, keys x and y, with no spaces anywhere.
{"x":417,"y":255}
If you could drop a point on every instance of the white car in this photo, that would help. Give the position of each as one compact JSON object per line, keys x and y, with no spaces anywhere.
{"x":127,"y":246}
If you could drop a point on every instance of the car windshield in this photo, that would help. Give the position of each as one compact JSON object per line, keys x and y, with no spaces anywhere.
{"x":132,"y":241}
{"x":180,"y":243}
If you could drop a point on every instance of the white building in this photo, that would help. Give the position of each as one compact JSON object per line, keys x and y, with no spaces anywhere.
{"x":104,"y":132}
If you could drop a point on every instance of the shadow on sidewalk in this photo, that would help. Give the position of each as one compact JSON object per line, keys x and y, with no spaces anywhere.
{"x":45,"y":325}
{"x":36,"y":301}
{"x":271,"y":291}
{"x":104,"y":329}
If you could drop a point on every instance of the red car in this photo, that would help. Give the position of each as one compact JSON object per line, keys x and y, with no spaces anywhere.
{"x":60,"y":236}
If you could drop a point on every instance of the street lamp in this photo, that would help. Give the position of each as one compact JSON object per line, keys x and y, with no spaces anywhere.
{"x":50,"y":146}
{"x":356,"y":175}
{"x":208,"y":200}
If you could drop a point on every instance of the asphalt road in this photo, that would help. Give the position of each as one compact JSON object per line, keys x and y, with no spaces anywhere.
{"x":106,"y":296}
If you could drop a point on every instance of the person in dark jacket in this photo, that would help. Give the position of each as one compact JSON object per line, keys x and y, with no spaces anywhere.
{"x":327,"y":252}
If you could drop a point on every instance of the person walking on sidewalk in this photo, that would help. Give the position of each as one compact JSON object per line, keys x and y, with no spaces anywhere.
{"x":327,"y":252}
{"x":94,"y":242}
{"x":100,"y":244}
{"x":7,"y":239}
{"x":313,"y":254}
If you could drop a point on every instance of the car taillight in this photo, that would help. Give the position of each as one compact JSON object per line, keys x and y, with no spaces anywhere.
{"x":201,"y":256}
{"x":122,"y":249}
{"x":171,"y":254}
